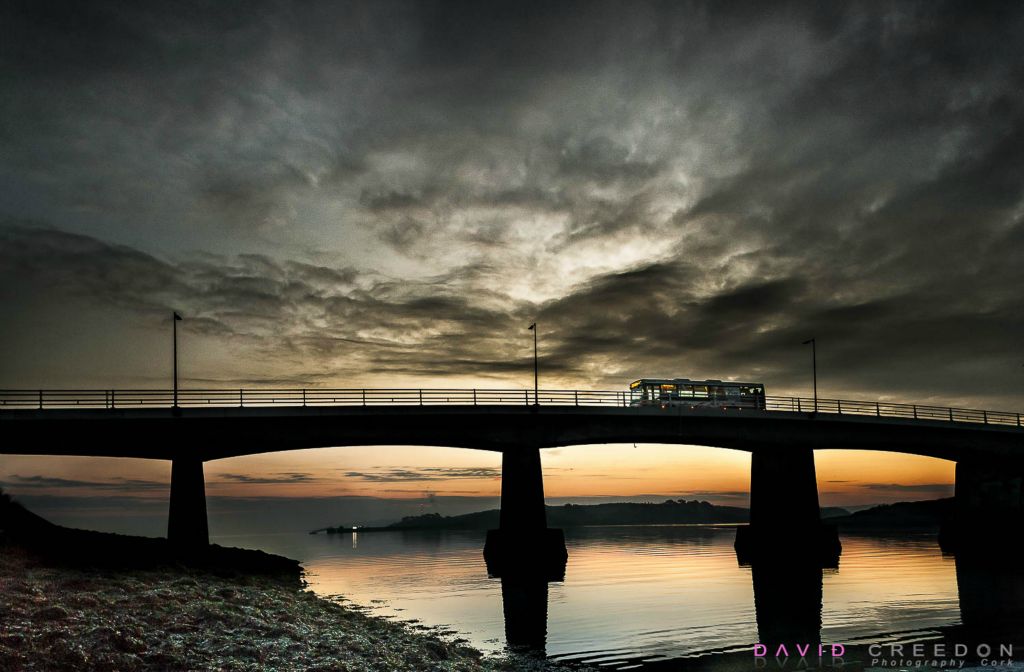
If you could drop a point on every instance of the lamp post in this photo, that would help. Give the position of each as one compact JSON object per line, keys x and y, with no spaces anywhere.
{"x":814,"y":369}
{"x":174,"y":322}
{"x":536,"y":398}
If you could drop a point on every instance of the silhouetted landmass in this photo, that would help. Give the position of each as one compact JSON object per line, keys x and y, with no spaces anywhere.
{"x":480,"y":520}
{"x":56,"y":545}
{"x":670,"y":512}
{"x":928,"y":513}
{"x":834,"y":511}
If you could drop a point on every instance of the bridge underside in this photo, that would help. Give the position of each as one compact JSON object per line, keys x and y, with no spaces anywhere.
{"x":210,"y":434}
{"x":784,"y":501}
{"x":785,"y":521}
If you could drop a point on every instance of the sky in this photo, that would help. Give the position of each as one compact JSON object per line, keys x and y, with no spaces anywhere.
{"x":386,"y":194}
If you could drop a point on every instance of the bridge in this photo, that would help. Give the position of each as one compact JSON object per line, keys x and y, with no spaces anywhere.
{"x":987,"y":446}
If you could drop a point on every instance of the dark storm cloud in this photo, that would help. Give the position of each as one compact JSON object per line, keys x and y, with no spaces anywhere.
{"x":396,"y":189}
{"x":90,"y":268}
{"x":279,"y":308}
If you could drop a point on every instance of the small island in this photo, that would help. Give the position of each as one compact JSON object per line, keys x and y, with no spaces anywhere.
{"x":669,"y":512}
{"x":927,"y":514}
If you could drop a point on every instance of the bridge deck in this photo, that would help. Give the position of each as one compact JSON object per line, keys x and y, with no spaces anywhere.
{"x":314,"y":397}
{"x":215,"y":429}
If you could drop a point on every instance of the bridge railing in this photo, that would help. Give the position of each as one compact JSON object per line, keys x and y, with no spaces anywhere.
{"x":892,"y":410}
{"x":253,"y":397}
{"x":264,"y":397}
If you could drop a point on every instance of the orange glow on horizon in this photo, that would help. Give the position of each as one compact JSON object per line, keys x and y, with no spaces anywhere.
{"x":403,"y":472}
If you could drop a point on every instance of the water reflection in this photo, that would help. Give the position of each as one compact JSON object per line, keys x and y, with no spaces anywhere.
{"x":670,"y":597}
{"x":991,"y":601}
{"x":787,"y":601}
{"x":787,"y":604}
{"x":524,"y":602}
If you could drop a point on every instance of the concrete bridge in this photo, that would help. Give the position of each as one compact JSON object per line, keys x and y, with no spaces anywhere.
{"x":987,"y":446}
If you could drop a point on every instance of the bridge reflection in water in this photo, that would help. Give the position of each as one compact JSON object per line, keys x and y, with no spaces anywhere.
{"x":643,"y":594}
{"x":788,"y":606}
{"x":787,"y":601}
{"x":524,"y":601}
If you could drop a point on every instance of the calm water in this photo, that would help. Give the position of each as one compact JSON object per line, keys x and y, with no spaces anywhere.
{"x":635,"y":594}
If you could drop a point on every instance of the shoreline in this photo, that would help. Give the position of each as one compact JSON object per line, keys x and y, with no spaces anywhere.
{"x":79,"y":600}
{"x":59,"y":617}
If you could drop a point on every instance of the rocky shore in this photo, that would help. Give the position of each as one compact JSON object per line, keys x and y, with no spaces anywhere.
{"x":59,"y":618}
{"x":67,"y":602}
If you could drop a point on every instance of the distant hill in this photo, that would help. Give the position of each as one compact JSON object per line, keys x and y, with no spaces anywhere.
{"x":669,"y":512}
{"x":928,"y":513}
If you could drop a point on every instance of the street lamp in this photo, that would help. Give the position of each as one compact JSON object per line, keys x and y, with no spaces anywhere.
{"x":174,"y":321}
{"x":536,"y":399}
{"x":814,"y":369}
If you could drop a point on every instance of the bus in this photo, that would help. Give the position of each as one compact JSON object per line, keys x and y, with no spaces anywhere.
{"x":665,"y":392}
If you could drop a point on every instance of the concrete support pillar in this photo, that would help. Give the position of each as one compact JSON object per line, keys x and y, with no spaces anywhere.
{"x":988,"y":508}
{"x":784,"y":516}
{"x":523,"y":543}
{"x":186,"y":522}
{"x":522,"y":491}
{"x":783,"y":490}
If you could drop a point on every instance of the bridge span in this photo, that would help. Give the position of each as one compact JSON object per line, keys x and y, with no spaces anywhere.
{"x":987,"y":446}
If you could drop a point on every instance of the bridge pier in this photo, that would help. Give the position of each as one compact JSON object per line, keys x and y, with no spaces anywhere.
{"x":187,"y":527}
{"x":988,"y":508}
{"x":523,"y":543}
{"x":785,"y":520}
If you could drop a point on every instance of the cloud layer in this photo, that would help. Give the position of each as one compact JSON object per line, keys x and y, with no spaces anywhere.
{"x":424,"y":474}
{"x":388,"y":193}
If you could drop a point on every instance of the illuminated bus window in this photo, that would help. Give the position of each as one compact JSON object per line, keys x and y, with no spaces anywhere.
{"x":722,"y":395}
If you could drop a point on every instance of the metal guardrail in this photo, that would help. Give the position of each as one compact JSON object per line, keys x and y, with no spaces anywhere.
{"x":248,"y":398}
